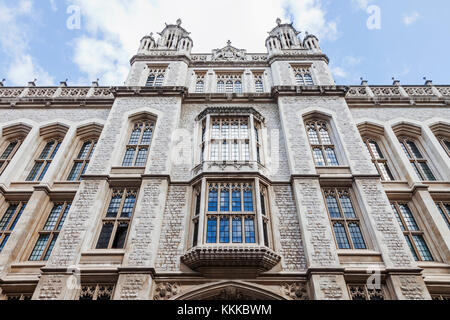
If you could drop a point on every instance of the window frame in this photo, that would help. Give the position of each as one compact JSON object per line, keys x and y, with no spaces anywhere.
{"x":444,"y":210}
{"x":379,"y":161}
{"x":13,"y":220}
{"x":317,"y":124}
{"x":411,"y":233}
{"x":52,"y":234}
{"x":445,"y":143}
{"x":416,"y":162}
{"x":47,"y":161}
{"x":133,"y":126}
{"x":229,"y":82}
{"x":6,"y":160}
{"x":117,"y":220}
{"x":84,"y":161}
{"x":336,"y":192}
{"x":156,"y":72}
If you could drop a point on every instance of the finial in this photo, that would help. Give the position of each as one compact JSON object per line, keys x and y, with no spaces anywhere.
{"x":229,"y":43}
{"x":95,"y":83}
{"x":32,"y":83}
{"x":179,"y":22}
{"x":63,"y":83}
{"x":278,"y":21}
{"x":151,"y":34}
{"x":363,"y":82}
{"x":428,"y":82}
{"x":1,"y":82}
{"x":395,"y":82}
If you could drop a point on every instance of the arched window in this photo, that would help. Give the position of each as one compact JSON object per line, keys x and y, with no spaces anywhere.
{"x":9,"y":220}
{"x":413,"y":234}
{"x":322,"y":146}
{"x":238,"y":87}
{"x":229,"y":86}
{"x":308,"y":80}
{"x":81,"y":163}
{"x":117,"y":219}
{"x":299,"y":79}
{"x":344,"y":219}
{"x":418,"y":161}
{"x":259,"y":86}
{"x":220,"y":86}
{"x":156,"y":77}
{"x":151,"y":81}
{"x":378,"y":159}
{"x":199,"y":86}
{"x":138,"y":146}
{"x":159,"y":80}
{"x":303,"y":75}
{"x":44,"y":160}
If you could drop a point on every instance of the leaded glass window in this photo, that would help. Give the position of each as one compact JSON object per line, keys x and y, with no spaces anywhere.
{"x":230,"y":214}
{"x":155,"y":77}
{"x":81,"y":163}
{"x":50,"y":231}
{"x":138,"y":146}
{"x":116,"y":223}
{"x":229,"y":83}
{"x":444,"y":210}
{"x":44,"y":160}
{"x":8,"y":153}
{"x":418,"y":161}
{"x":9,"y":220}
{"x":96,"y":292}
{"x":345,"y":222}
{"x":379,"y":160}
{"x":413,"y":234}
{"x":322,"y":147}
{"x":303,"y":76}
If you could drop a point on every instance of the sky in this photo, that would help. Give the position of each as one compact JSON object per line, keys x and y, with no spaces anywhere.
{"x":86,"y":40}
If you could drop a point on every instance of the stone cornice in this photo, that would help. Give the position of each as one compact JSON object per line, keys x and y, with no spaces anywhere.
{"x":339,"y":91}
{"x":230,"y":111}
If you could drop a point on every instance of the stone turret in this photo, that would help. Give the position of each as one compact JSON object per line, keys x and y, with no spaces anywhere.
{"x":311,"y":42}
{"x":283,"y":37}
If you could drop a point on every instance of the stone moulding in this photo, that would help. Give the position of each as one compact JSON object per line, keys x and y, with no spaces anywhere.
{"x":258,"y":258}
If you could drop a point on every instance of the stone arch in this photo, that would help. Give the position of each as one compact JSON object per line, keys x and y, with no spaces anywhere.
{"x":229,"y":290}
{"x":370,"y":128}
{"x":408,"y":129}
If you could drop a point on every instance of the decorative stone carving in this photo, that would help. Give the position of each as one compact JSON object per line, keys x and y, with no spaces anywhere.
{"x":230,"y":111}
{"x":386,"y":91}
{"x":357,"y":92}
{"x":419,"y":91}
{"x":296,"y":290}
{"x":229,"y":53}
{"x":330,"y":288}
{"x":257,"y":258}
{"x":166,"y":290}
{"x":411,"y":288}
{"x":231,"y":293}
{"x":9,"y":92}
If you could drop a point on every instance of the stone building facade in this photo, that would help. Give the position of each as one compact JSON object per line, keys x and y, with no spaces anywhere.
{"x":228,"y":175}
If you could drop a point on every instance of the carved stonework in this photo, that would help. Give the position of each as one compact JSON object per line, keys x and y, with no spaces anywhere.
{"x":295,"y":291}
{"x":229,"y":53}
{"x":231,"y":293}
{"x":330,"y":288}
{"x":411,"y":288}
{"x":166,"y":290}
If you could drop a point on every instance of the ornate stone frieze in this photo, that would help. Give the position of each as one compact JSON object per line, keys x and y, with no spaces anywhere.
{"x":295,"y":291}
{"x":166,"y":290}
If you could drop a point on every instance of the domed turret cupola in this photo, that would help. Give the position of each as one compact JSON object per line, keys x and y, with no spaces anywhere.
{"x":283,"y":37}
{"x":175,"y":37}
{"x":147,"y":43}
{"x":311,"y":43}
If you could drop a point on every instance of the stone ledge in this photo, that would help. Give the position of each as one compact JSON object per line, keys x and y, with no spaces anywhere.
{"x":257,"y":258}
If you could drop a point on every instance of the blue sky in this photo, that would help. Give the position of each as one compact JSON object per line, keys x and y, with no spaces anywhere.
{"x":412,"y":40}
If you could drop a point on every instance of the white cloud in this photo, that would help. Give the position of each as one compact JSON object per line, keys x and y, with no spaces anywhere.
{"x":53,"y":5}
{"x":339,"y":72}
{"x":112,"y":32}
{"x":21,"y":67}
{"x":362,"y":4}
{"x":409,"y":19}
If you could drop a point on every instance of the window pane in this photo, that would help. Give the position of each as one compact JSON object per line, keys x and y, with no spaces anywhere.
{"x":84,"y":150}
{"x":299,"y":79}
{"x":127,"y":209}
{"x":341,"y":236}
{"x":347,"y":207}
{"x":263,"y":204}
{"x":331,"y":157}
{"x":259,"y":86}
{"x":58,"y":145}
{"x":386,"y":172}
{"x":159,"y":81}
{"x":50,"y":247}
{"x":63,"y":218}
{"x":215,"y":152}
{"x":408,"y":217}
{"x":411,"y":248}
{"x":417,"y":171}
{"x":238,"y":87}
{"x":229,"y":87}
{"x":211,"y":232}
{"x":325,"y":136}
{"x":199,"y":87}
{"x":427,"y":171}
{"x":141,"y":158}
{"x":224,"y":230}
{"x":224,"y":200}
{"x":121,"y":234}
{"x":220,"y":87}
{"x":147,"y":136}
{"x":308,"y":80}
{"x":45,"y":152}
{"x":318,"y":157}
{"x":39,"y":247}
{"x":33,"y":173}
{"x":17,"y":218}
{"x":75,"y":172}
{"x":444,"y":216}
{"x":333,"y":207}
{"x":414,"y":149}
{"x":216,"y":130}
{"x":375,"y":150}
{"x":225,"y":130}
{"x":248,"y":201}
{"x":212,"y":201}
{"x":244,"y":130}
{"x":356,"y":235}
{"x":397,"y":216}
{"x":128,"y":158}
{"x":235,"y":151}
{"x":237,"y":230}
{"x":135,"y":135}
{"x":225,"y":151}
{"x":114,"y":205}
{"x":405,"y":150}
{"x":150,"y":81}
{"x":105,"y":236}
{"x":249,"y":230}
{"x":246,"y":152}
{"x":313,"y":137}
{"x":92,"y":150}
{"x":236,"y":200}
{"x":422,"y":247}
{"x":44,"y":171}
{"x":3,"y":243}
{"x":8,"y":150}
{"x":53,"y":217}
{"x":7,"y":217}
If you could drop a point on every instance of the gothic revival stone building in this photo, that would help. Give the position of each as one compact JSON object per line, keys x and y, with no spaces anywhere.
{"x":228,"y":175}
